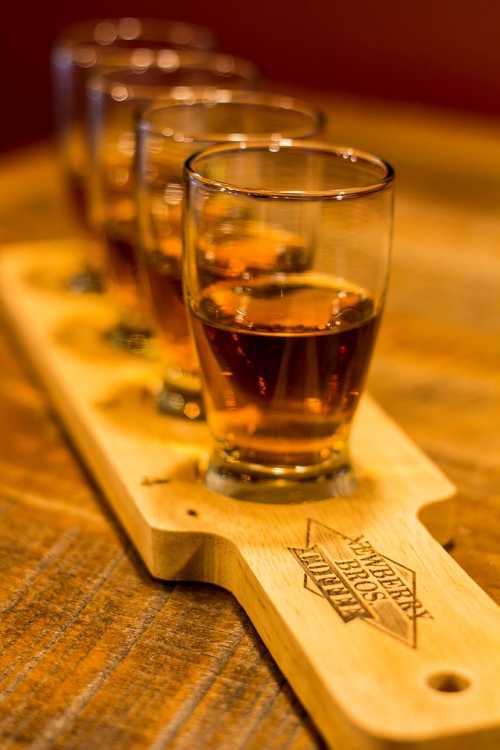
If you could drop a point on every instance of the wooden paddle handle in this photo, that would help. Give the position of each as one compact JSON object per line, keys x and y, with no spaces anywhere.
{"x":384,"y":638}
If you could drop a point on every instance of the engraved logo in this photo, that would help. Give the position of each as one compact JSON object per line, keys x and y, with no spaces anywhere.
{"x":360,"y":583}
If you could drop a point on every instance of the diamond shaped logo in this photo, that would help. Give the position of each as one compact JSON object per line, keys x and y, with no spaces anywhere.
{"x":360,"y":583}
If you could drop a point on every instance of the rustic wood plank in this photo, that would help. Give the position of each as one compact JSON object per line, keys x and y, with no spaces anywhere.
{"x":436,"y":366}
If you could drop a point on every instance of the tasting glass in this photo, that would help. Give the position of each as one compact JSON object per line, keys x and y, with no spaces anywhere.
{"x":81,"y":50}
{"x":284,"y":348}
{"x":115,"y":100}
{"x":166,"y":136}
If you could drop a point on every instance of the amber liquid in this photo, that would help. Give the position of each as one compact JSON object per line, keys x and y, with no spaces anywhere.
{"x":231,"y":248}
{"x":75,"y":183}
{"x":89,"y":277}
{"x":284,"y":365}
{"x":121,"y":260}
{"x":163,"y":280}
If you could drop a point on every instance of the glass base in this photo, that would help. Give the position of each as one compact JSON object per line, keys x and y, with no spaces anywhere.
{"x":86,"y":281}
{"x":263,"y":484}
{"x":181,"y":396}
{"x":128,"y":338}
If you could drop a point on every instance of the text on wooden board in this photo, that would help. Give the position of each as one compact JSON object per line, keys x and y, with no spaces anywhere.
{"x":360,"y":583}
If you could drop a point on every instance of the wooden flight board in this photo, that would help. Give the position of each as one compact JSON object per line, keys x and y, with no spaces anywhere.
{"x":384,"y":638}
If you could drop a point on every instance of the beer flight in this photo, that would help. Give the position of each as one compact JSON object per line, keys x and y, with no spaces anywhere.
{"x":226,"y":228}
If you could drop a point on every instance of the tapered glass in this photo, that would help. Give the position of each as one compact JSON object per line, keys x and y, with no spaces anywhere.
{"x":284,"y":348}
{"x":80,"y":51}
{"x":166,"y":137}
{"x":116,"y":99}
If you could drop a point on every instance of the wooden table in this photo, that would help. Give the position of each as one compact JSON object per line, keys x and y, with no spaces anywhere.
{"x":96,"y":654}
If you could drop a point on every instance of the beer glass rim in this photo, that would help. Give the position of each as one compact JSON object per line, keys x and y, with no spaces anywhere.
{"x":212,"y":97}
{"x":355,"y":156}
{"x":103,"y":32}
{"x":142,"y":60}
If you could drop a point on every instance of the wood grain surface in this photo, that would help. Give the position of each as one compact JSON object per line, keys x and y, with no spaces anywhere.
{"x":96,"y":654}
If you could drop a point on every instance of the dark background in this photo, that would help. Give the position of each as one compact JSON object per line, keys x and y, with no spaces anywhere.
{"x":437,"y":52}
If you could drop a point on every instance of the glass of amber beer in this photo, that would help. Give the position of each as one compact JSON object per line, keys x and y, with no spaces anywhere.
{"x":80,"y":51}
{"x":167,"y":135}
{"x":116,"y":98}
{"x":284,"y":348}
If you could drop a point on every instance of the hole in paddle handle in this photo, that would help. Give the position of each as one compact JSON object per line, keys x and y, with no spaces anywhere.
{"x":448,"y":682}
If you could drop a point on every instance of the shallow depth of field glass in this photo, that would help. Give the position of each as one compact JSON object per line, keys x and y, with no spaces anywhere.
{"x":116,"y":98}
{"x":166,"y":137}
{"x":284,"y":348}
{"x":83,"y":49}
